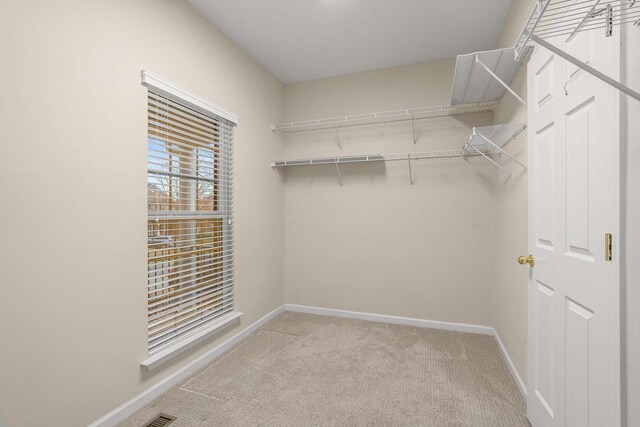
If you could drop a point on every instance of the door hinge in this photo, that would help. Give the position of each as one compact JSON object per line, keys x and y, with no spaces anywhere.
{"x":608,"y":247}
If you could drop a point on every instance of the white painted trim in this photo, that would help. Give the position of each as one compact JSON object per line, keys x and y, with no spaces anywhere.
{"x":183,"y":345}
{"x":630,"y":230}
{"x":140,"y":401}
{"x":179,"y":94}
{"x":383,"y":318}
{"x":514,"y":372}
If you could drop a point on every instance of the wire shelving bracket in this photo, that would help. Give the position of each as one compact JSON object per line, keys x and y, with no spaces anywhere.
{"x":556,"y":18}
{"x":485,"y":140}
{"x":485,"y":76}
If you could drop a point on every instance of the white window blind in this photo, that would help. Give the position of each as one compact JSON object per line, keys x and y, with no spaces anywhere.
{"x":190,"y":227}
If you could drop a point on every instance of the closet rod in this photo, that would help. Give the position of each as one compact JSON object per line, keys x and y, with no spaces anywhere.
{"x":625,"y":89}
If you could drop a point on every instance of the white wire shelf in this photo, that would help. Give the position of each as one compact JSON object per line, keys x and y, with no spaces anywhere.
{"x":384,"y":117}
{"x":397,"y":157}
{"x":498,"y":135}
{"x":484,"y":76}
{"x":565,"y":19}
{"x":485,"y":141}
{"x":373,"y":158}
{"x":493,"y":139}
{"x":551,"y":18}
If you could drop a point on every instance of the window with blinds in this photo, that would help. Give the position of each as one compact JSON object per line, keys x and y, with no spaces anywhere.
{"x":190,"y":228}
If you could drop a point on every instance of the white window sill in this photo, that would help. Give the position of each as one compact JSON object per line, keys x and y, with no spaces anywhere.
{"x":171,"y":352}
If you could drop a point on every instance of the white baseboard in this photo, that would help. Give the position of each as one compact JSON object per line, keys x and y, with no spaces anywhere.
{"x":450,"y":326}
{"x":130,"y":407}
{"x":512,"y":367}
{"x":383,"y":318}
{"x":140,"y":401}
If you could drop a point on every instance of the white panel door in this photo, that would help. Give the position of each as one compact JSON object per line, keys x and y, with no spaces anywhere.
{"x":574,"y":197}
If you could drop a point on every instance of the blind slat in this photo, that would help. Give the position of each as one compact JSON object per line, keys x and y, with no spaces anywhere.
{"x":185,"y":309}
{"x":157,"y":345}
{"x":168,"y":271}
{"x":169,"y":338}
{"x":160,"y":117}
{"x":172,"y":297}
{"x":158,"y":109}
{"x":167,"y":290}
{"x":181,"y":255}
{"x":187,"y":111}
{"x":186,"y":272}
{"x":201,"y":294}
{"x":181,"y":327}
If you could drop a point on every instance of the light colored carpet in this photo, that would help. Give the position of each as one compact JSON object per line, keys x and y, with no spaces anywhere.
{"x":307,"y":370}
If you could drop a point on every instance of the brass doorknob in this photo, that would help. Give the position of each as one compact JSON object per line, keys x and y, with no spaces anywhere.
{"x":526,"y":260}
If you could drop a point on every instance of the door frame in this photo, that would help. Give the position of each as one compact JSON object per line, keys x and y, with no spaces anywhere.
{"x":630,"y":230}
{"x":629,"y":239}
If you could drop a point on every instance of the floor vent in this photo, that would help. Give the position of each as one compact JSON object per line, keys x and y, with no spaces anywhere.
{"x":162,"y":420}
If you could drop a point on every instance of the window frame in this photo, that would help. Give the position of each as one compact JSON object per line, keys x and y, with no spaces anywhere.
{"x":162,"y":88}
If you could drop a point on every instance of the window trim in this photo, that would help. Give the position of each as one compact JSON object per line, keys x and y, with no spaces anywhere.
{"x":164,"y":88}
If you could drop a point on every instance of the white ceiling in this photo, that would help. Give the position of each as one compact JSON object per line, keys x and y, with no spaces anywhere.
{"x":300,"y":40}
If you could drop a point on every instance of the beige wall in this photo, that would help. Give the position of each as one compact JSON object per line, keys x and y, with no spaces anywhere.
{"x":73,"y":210}
{"x":442,"y":249}
{"x":511,"y":279}
{"x":379,"y":244}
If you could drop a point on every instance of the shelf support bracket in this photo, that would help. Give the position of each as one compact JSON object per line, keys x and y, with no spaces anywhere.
{"x":492,"y":161}
{"x":608,"y":80}
{"x":410,"y":170}
{"x":502,"y":151}
{"x":499,"y":80}
{"x":339,"y":174}
{"x":338,"y":137}
{"x":608,"y":31}
{"x":413,"y":125}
